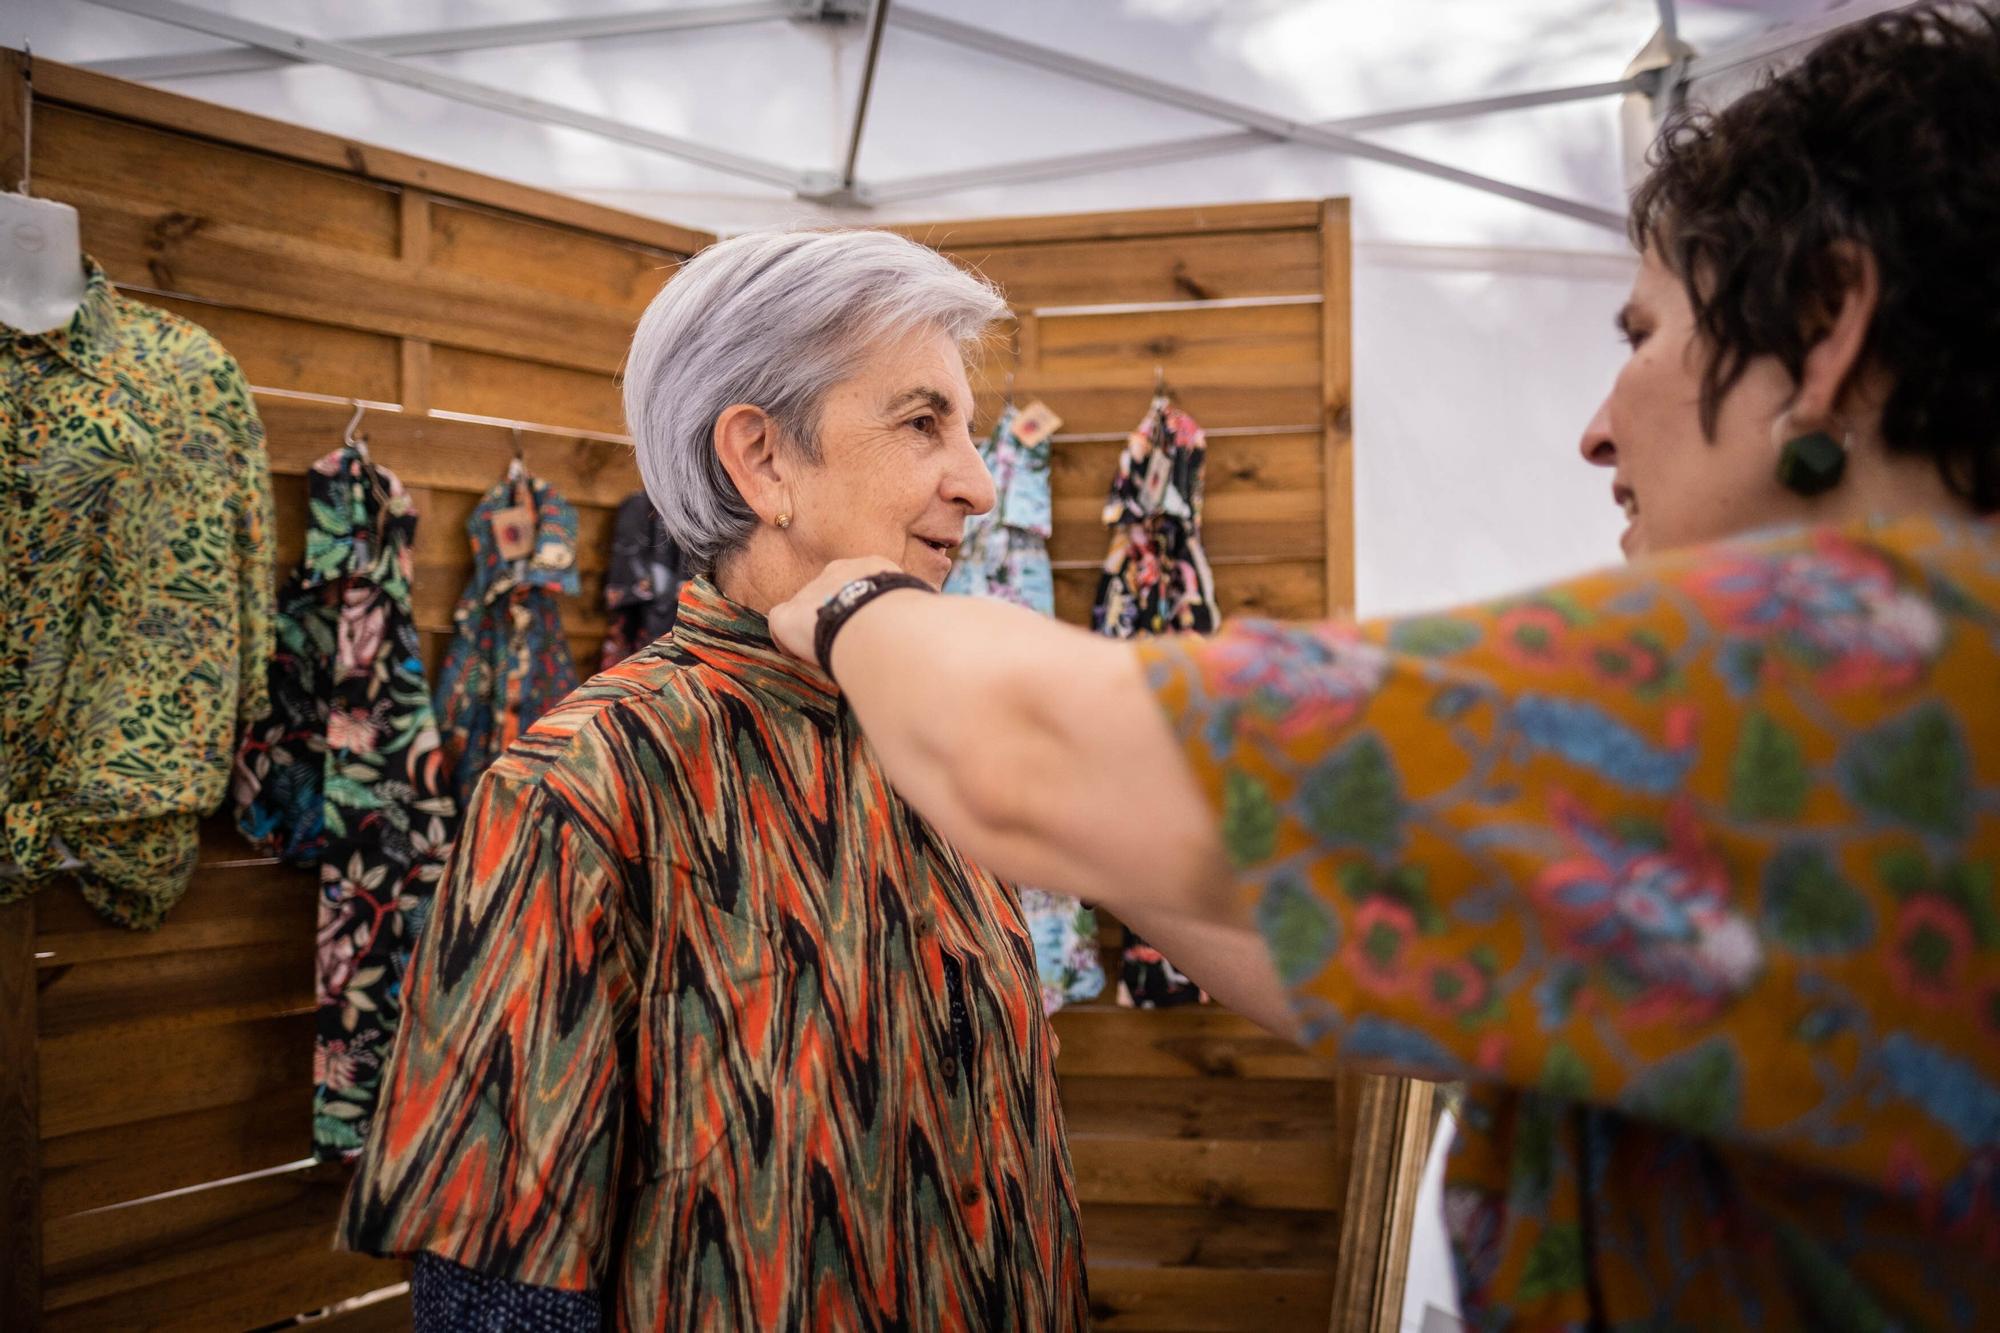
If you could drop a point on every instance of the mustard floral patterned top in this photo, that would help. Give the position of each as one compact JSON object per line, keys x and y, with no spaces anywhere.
{"x":1688,"y":870}
{"x":135,"y":604}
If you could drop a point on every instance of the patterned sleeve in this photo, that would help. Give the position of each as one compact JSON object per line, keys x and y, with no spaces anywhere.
{"x":233,"y":411}
{"x":1698,"y":840}
{"x":495,"y":1144}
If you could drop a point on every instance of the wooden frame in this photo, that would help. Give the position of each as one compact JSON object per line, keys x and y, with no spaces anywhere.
{"x":1166,"y":277}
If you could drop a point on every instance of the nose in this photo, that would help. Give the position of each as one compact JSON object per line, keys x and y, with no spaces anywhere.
{"x":1596,"y":445}
{"x":966,"y":481}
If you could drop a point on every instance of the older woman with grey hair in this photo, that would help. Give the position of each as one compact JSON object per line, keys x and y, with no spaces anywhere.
{"x":708,"y":1028}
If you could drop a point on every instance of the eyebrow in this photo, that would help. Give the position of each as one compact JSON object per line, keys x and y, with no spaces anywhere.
{"x":931,"y":398}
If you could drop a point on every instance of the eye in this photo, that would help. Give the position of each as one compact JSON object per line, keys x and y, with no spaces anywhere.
{"x":927,"y":423}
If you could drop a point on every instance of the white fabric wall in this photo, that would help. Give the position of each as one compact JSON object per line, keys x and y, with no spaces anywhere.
{"x":1475,"y":372}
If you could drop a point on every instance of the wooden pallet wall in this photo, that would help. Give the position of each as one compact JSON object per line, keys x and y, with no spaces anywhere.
{"x":1229,"y":1181}
{"x":1226,"y":1181}
{"x":332,"y":271}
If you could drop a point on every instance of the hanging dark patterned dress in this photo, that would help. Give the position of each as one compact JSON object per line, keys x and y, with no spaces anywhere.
{"x":642,"y":583}
{"x":1156,"y":580}
{"x":347,"y":774}
{"x":509,"y":662}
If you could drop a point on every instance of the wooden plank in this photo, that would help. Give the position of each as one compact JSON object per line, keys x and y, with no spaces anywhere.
{"x":1388,"y":1132}
{"x":1167,"y":268}
{"x":233,"y":1257}
{"x":98,"y":1167}
{"x":1261,"y":345}
{"x":1270,"y":525}
{"x":214,"y":259}
{"x":413,"y":228}
{"x":1105,"y":1041}
{"x":187,"y":182}
{"x":1103,"y":402}
{"x":261,"y":903}
{"x":487,"y":385}
{"x":1337,"y":390}
{"x":1204,"y":1108}
{"x":20,"y":1094}
{"x":1290,"y":590}
{"x":14,"y":103}
{"x":20,"y":1097}
{"x":1210,"y":1173}
{"x":1084,"y":470}
{"x":442,"y":540}
{"x":572,"y":265}
{"x":160,"y":996}
{"x":97,"y":1082}
{"x":1205,"y":1237}
{"x":440,"y":454}
{"x":1127,"y":1298}
{"x":963,"y":234}
{"x":414,"y":382}
{"x":304,"y":356}
{"x":435,"y":591}
{"x":187,"y":115}
{"x":391,"y":1315}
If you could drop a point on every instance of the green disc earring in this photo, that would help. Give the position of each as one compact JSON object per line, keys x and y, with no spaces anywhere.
{"x":1811,"y":464}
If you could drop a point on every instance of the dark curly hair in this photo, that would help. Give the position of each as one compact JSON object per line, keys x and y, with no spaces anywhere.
{"x":1886,"y":137}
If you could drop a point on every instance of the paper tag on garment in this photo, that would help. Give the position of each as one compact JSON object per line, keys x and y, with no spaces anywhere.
{"x":1035,"y":423}
{"x":514,"y":532}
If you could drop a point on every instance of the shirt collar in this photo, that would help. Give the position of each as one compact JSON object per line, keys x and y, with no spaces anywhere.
{"x":92,"y":337}
{"x":737,"y":641}
{"x":362,"y":523}
{"x":551,"y":563}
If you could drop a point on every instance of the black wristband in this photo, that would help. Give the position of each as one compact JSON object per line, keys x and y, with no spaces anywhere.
{"x":838,"y":609}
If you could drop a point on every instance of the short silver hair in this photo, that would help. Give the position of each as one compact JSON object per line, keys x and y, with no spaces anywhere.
{"x":773,"y":319}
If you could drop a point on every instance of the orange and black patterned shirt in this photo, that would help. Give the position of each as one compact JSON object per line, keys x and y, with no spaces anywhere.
{"x":706,"y":1016}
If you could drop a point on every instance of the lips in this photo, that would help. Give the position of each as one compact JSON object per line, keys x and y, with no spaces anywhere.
{"x":1623,"y":497}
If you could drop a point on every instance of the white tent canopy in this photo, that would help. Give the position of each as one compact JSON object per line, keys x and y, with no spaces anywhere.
{"x":1488,"y":251}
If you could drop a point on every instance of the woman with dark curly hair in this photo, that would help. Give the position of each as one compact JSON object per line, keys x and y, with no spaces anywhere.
{"x":1687,"y":869}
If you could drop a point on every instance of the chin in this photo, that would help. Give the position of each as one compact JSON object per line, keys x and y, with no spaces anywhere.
{"x":930,"y":566}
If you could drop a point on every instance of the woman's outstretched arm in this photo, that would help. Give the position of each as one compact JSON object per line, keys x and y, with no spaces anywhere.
{"x":1082,"y":789}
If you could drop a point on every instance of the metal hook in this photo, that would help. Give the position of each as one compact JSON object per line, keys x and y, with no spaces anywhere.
{"x":520,"y":453}
{"x":1159,"y":380}
{"x":1007,"y":391}
{"x":349,"y":437}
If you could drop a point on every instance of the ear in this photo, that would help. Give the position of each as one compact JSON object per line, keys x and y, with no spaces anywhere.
{"x":1833,"y":366}
{"x":746,"y":441}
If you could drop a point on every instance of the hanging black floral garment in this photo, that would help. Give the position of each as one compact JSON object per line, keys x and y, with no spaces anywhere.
{"x":509,"y":662}
{"x":1156,"y":580}
{"x":642,"y":583}
{"x":347,"y":774}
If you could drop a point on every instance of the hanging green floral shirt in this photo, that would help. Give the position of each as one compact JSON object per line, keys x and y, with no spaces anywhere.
{"x":1688,"y":870}
{"x":135,"y":602}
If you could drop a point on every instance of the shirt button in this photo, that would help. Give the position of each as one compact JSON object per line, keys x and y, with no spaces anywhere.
{"x":968,"y":1195}
{"x":951,"y":1069}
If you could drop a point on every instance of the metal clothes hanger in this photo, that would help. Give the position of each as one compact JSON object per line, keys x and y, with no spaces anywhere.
{"x":517,"y":470}
{"x":349,"y":437}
